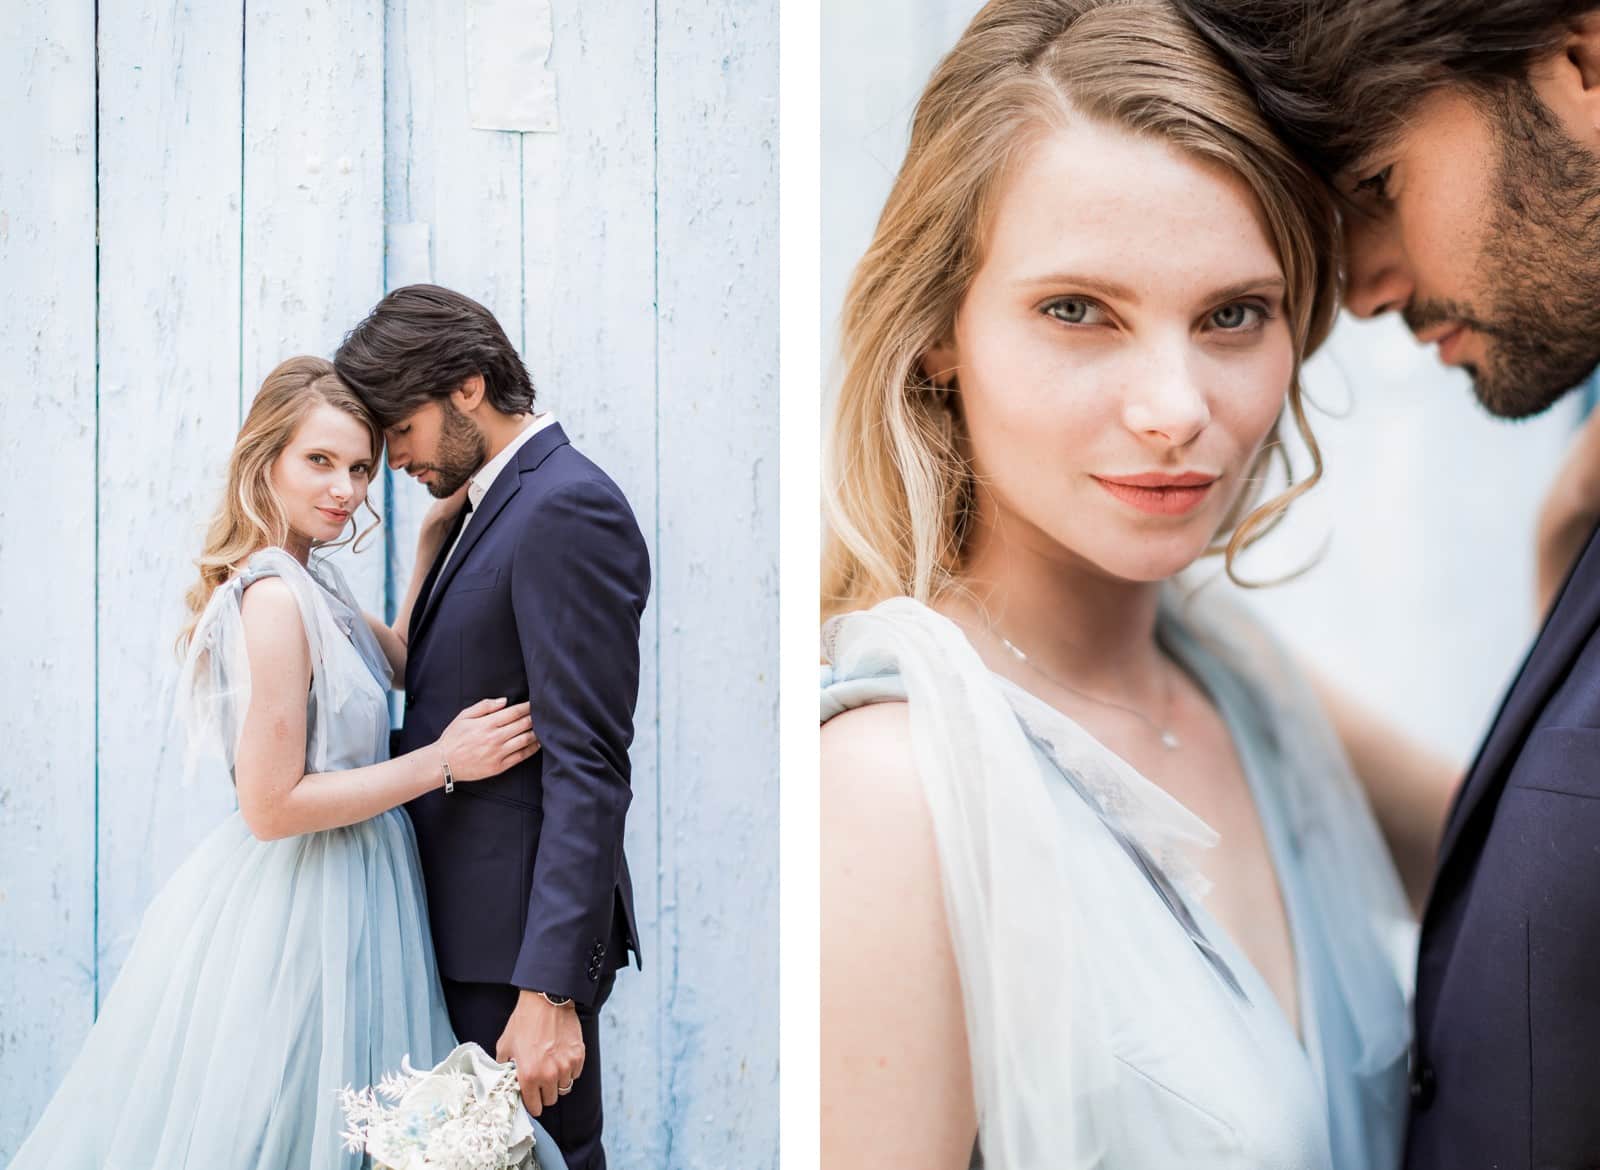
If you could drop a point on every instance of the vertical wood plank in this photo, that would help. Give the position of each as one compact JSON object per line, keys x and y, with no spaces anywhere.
{"x":456,"y":187}
{"x":47,"y":551}
{"x":718,"y":360}
{"x":313,"y":198}
{"x":589,"y":339}
{"x":169,"y":411}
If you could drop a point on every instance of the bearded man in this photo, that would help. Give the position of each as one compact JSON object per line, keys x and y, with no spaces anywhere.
{"x":535,"y":594}
{"x":1464,"y":141}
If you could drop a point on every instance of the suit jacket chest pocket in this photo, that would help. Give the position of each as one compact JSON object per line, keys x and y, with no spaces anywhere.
{"x":1551,"y":812}
{"x":473,"y":580}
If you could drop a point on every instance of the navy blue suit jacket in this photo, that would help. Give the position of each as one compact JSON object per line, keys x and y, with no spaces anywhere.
{"x":1506,"y":1070}
{"x":541,"y":601}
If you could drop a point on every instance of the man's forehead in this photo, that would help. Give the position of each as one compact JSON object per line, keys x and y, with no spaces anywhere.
{"x":1437,"y":109}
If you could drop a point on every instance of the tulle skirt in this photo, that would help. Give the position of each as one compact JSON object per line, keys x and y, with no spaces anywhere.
{"x":266,"y":976}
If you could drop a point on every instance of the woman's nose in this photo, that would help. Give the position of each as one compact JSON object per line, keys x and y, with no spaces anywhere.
{"x":1167,"y":404}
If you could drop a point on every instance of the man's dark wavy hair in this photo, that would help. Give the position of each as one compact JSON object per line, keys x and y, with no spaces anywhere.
{"x":421,"y":342}
{"x":1339,"y":78}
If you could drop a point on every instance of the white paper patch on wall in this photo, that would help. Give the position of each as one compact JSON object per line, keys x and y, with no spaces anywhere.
{"x":510,"y":84}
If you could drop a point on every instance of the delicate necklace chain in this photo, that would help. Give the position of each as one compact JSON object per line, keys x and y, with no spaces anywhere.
{"x":1164,"y":732}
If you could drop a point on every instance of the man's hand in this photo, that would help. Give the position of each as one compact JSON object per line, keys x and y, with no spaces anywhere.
{"x":546,"y":1044}
{"x":441,"y":514}
{"x":1568,"y":514}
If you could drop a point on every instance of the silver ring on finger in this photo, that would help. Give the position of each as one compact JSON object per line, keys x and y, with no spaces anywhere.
{"x":563,"y":1090}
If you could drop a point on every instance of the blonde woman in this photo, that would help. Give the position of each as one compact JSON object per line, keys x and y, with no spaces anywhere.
{"x":1099,"y":886}
{"x":289,"y":956}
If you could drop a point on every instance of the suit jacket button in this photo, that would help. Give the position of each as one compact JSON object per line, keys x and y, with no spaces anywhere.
{"x":1424,"y":1085}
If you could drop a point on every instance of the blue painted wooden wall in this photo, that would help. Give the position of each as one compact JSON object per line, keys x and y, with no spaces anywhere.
{"x":189,"y":193}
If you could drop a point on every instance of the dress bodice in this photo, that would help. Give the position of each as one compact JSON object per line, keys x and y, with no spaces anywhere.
{"x":1180,"y":1054}
{"x":347,"y":714}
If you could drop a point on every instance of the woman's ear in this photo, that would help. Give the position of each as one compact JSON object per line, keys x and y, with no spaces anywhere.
{"x":939,"y":364}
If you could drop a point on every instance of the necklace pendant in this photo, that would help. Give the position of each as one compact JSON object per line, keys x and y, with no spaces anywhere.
{"x":1170,"y":741}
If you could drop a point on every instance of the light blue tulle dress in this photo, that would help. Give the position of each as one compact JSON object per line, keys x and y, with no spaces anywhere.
{"x":1111,"y":1022}
{"x":266,"y":975}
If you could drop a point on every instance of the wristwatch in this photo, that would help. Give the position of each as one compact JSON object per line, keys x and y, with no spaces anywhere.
{"x":555,"y":1000}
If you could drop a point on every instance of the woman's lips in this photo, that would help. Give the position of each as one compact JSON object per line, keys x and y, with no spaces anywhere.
{"x":1158,"y":495}
{"x":335,"y":515}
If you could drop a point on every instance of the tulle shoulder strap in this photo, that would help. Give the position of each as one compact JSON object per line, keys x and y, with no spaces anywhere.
{"x":1033,"y":1028}
{"x":213,"y":685}
{"x":267,"y":562}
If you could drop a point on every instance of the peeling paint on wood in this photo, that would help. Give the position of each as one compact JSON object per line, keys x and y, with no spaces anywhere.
{"x":718,"y":362}
{"x":169,"y":409}
{"x":47,"y":542}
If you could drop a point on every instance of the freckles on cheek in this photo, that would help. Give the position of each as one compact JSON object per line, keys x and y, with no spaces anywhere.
{"x":1257,"y":392}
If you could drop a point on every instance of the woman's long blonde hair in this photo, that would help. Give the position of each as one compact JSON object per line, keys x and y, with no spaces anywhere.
{"x":250,"y":515}
{"x":899,"y":493}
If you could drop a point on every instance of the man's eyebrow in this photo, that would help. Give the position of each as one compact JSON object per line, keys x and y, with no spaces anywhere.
{"x":1363,"y":162}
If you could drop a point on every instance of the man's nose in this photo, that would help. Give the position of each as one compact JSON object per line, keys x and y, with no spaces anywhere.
{"x":395,"y":459}
{"x":1377,"y":275}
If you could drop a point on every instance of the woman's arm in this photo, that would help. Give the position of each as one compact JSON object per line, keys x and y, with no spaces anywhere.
{"x":278,"y":798}
{"x":896,"y":1083}
{"x":1409,"y":786}
{"x":436,"y":525}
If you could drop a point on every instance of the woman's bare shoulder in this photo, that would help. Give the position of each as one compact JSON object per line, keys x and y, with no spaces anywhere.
{"x":867,"y":754}
{"x":875,"y":817}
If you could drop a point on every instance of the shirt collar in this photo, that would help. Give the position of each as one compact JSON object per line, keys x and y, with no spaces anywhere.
{"x":478,"y":486}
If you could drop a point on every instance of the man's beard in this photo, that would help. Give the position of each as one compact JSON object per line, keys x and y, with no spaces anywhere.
{"x":1540,"y":261}
{"x":461,"y":451}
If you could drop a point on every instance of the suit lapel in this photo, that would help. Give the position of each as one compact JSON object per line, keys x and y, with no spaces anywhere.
{"x":506,"y":485}
{"x":425,"y":594}
{"x":1571,"y":621}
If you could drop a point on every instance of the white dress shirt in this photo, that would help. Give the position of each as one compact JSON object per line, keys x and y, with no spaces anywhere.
{"x":478,"y":486}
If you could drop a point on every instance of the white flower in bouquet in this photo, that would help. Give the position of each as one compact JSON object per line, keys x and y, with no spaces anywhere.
{"x":465,"y":1113}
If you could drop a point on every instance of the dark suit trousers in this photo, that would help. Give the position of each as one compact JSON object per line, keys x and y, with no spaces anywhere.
{"x":479,"y":1011}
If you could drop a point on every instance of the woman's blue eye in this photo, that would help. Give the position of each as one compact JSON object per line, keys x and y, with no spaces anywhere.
{"x":1075,"y":311}
{"x":1236,"y":317}
{"x":319,"y":458}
